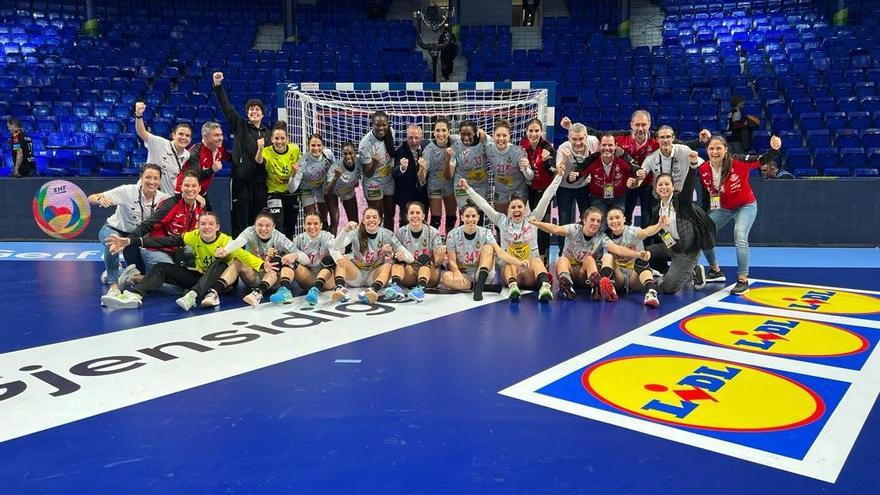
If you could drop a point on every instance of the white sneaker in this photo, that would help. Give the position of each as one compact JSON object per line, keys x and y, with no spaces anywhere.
{"x":253,"y":298}
{"x":126,"y":300}
{"x":211,"y":299}
{"x":651,"y":299}
{"x":111,"y":293}
{"x":187,"y":301}
{"x":125,"y":281}
{"x":104,"y":279}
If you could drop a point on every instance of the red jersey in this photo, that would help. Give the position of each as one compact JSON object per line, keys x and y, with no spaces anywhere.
{"x":172,"y":217}
{"x":205,"y":158}
{"x":638,"y":151}
{"x":736,"y":190}
{"x":543,"y":175}
{"x":619,"y":173}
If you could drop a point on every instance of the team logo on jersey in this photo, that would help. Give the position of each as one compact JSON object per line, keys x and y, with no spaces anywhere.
{"x":774,"y":335}
{"x":702,"y":393}
{"x":814,"y":300}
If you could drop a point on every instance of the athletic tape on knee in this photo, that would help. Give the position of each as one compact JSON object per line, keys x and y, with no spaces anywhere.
{"x":424,"y":260}
{"x":641,"y":265}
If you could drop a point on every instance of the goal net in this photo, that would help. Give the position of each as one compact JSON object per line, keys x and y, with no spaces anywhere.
{"x":340,"y":112}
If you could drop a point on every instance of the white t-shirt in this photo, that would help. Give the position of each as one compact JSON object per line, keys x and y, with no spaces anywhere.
{"x":161,"y":152}
{"x":131,"y":206}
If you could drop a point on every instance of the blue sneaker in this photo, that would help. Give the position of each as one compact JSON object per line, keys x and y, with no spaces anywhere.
{"x":281,"y":296}
{"x":312,"y":296}
{"x":394,"y":292}
{"x":368,"y":296}
{"x":417,"y":294}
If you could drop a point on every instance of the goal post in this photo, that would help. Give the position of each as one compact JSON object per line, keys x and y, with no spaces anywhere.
{"x":340,"y":112}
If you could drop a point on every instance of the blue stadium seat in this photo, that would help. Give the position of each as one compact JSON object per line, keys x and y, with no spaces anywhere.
{"x":871,"y":138}
{"x":847,"y":138}
{"x":824,"y":104}
{"x":836,"y":120}
{"x":859,"y":120}
{"x":805,"y":172}
{"x":797,"y":158}
{"x":114,"y":159}
{"x":761,"y":140}
{"x":836,"y":172}
{"x":826,"y":157}
{"x":810,"y":121}
{"x":866,"y":172}
{"x":853,"y":157}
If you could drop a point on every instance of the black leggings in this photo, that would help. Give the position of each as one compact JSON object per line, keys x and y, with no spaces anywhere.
{"x":285,"y":208}
{"x":169,"y":273}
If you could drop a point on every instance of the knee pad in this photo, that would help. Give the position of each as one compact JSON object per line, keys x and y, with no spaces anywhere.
{"x":641,"y":265}
{"x":327,"y":262}
{"x":424,"y":260}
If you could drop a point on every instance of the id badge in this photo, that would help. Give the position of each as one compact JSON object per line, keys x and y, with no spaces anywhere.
{"x":609,"y":191}
{"x":715,"y":201}
{"x":462,"y":193}
{"x":667,"y":239}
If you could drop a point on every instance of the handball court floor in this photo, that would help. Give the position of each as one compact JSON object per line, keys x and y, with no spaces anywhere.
{"x":406,"y":399}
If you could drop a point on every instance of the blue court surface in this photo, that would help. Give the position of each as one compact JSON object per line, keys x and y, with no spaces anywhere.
{"x":707,"y":394}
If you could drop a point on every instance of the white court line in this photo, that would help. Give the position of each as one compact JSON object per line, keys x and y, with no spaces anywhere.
{"x":105,"y":372}
{"x":825,"y":458}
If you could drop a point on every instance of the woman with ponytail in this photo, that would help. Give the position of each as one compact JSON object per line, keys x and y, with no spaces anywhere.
{"x":728,"y":196}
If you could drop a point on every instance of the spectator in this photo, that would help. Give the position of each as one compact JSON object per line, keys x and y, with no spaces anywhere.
{"x":24,"y":163}
{"x":447,"y":54}
{"x":770,"y":170}
{"x":249,"y":190}
{"x":740,"y":126}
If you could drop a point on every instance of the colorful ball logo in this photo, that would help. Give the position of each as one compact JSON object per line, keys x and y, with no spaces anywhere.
{"x":814,"y":300}
{"x":703,"y":393}
{"x":774,"y":335}
{"x":61,"y":209}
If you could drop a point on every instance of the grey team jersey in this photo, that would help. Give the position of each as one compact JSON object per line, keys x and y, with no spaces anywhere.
{"x":373,"y":256}
{"x":578,"y":246}
{"x":435,"y":156}
{"x":471,"y":164}
{"x":381,"y":179}
{"x":250,"y":241}
{"x":316,"y":248}
{"x":347,"y":182}
{"x":467,"y":251}
{"x":314,"y":171}
{"x":519,"y":239}
{"x":428,"y":240}
{"x":629,"y":239}
{"x":505,"y":166}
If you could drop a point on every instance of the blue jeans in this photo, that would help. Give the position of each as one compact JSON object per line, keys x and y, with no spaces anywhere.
{"x":111,"y":261}
{"x":743,"y":219}
{"x":565,"y":200}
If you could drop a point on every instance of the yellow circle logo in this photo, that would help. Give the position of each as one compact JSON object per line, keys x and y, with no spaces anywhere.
{"x":814,"y":300}
{"x":703,"y":393}
{"x":774,"y":335}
